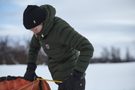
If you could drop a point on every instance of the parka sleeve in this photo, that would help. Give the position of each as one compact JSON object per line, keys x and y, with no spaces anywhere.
{"x":33,"y":50}
{"x":75,"y":40}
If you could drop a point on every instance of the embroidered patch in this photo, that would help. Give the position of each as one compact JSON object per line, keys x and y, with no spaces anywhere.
{"x":47,"y":46}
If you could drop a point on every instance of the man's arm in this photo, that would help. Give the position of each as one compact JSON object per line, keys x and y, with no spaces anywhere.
{"x":32,"y":57}
{"x":75,"y":40}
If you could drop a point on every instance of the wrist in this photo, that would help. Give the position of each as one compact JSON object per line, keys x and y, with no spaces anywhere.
{"x":78,"y":74}
{"x":31,"y":66}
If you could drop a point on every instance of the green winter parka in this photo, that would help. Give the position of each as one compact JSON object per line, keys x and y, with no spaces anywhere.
{"x":66,"y":49}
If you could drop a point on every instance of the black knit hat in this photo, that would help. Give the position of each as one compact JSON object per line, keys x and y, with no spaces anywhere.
{"x":33,"y":15}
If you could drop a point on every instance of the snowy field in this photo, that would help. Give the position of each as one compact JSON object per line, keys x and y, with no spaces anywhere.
{"x":98,"y":76}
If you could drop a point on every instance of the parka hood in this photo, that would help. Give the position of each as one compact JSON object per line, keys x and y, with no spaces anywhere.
{"x":48,"y":23}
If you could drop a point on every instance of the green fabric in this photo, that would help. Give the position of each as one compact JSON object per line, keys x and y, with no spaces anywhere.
{"x":66,"y":49}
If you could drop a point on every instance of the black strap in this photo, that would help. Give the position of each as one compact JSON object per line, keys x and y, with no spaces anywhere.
{"x":8,"y":78}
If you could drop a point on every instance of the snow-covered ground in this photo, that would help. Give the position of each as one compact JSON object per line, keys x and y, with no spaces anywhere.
{"x":98,"y":76}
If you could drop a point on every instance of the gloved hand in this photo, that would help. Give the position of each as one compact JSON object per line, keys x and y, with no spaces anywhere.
{"x":76,"y":81}
{"x":30,"y":72}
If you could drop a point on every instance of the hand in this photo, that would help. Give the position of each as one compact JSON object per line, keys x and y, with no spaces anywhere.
{"x":76,"y":81}
{"x":30,"y":72}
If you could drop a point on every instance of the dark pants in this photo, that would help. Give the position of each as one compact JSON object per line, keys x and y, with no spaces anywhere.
{"x":79,"y":85}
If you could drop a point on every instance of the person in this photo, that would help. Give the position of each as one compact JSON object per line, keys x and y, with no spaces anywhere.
{"x":68,"y":51}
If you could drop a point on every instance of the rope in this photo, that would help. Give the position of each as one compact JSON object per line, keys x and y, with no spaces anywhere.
{"x":56,"y":81}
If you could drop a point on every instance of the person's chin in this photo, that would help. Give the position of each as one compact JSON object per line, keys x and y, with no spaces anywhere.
{"x":37,"y":33}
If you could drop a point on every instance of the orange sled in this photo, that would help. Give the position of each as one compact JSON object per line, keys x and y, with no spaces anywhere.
{"x":19,"y":83}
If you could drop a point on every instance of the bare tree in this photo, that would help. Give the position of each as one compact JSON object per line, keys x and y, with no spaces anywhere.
{"x":105,"y":55}
{"x":115,"y":55}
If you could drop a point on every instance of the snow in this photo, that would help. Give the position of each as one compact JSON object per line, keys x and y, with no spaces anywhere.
{"x":120,"y":76}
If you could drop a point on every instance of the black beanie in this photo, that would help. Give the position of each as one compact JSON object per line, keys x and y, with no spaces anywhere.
{"x":33,"y":16}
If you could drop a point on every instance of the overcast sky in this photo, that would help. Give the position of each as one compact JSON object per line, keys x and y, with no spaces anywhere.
{"x":103,"y":22}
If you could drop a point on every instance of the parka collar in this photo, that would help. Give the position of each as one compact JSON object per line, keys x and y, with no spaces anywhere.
{"x":48,"y":23}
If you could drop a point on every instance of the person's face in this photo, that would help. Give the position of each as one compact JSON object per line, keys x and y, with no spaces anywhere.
{"x":37,"y":29}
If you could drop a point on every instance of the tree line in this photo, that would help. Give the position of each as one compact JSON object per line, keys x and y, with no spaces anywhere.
{"x":113,"y":56}
{"x":18,"y":54}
